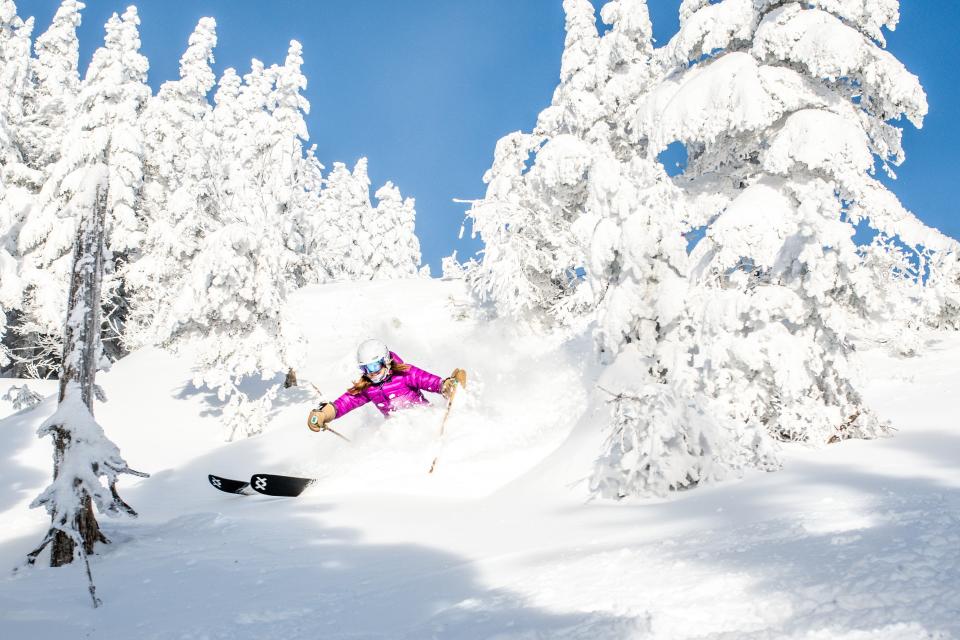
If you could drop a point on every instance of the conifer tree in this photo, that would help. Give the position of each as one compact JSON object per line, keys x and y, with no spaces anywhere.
{"x":309,"y":229}
{"x":337,"y":225}
{"x":940,"y":297}
{"x":17,"y":181}
{"x":397,"y":250}
{"x":287,"y":130}
{"x":54,"y":85}
{"x":104,"y":131}
{"x":534,"y":254}
{"x":361,"y":248}
{"x":783,"y":108}
{"x":289,"y":173}
{"x":177,"y":202}
{"x":230,"y":313}
{"x":15,"y":36}
{"x":220,"y":136}
{"x":630,"y":218}
{"x":41,"y":99}
{"x":17,"y":194}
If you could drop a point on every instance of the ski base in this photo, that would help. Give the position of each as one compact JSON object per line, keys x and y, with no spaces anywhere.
{"x":273,"y":485}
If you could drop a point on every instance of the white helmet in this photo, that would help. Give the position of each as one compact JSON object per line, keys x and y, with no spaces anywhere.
{"x":372,"y":355}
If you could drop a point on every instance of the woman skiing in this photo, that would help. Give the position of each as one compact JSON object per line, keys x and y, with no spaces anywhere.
{"x":386,"y":381}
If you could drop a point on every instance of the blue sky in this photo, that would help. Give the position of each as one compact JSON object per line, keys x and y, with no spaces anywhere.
{"x":424,"y":88}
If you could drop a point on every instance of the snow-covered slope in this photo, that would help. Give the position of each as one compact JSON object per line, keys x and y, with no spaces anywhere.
{"x":856,"y":540}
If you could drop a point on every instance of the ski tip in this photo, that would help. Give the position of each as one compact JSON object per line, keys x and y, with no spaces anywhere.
{"x":228,"y":486}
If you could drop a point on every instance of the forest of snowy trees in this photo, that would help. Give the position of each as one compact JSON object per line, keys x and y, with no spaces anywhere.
{"x":129,"y":219}
{"x":216,"y":209}
{"x":725,"y":297}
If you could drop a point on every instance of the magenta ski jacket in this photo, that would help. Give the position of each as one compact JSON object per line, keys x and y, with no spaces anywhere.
{"x":398,"y":391}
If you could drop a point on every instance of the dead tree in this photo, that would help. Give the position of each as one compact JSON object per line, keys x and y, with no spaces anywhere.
{"x":83,"y":456}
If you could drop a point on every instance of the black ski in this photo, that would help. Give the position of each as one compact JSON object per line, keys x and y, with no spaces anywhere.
{"x":230,"y":486}
{"x":274,"y":485}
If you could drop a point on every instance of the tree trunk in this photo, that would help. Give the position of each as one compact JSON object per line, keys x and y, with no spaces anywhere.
{"x":19,"y":346}
{"x":81,"y":349}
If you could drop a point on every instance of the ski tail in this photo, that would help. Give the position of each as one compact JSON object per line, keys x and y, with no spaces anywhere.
{"x":274,"y":485}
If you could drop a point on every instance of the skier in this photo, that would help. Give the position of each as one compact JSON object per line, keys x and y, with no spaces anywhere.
{"x":386,"y":381}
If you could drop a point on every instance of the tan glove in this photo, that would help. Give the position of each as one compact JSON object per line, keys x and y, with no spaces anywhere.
{"x":319,"y":417}
{"x":458,"y":377}
{"x":449,"y":384}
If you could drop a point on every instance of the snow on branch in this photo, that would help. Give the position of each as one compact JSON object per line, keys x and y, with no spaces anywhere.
{"x":22,"y":397}
{"x":91,"y":465}
{"x":870,"y":16}
{"x":832,"y":51}
{"x":706,"y":28}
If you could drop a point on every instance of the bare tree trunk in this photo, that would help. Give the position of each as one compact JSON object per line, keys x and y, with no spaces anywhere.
{"x":81,"y":354}
{"x":19,"y":346}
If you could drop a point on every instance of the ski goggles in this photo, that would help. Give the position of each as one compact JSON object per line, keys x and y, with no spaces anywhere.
{"x":373,"y":367}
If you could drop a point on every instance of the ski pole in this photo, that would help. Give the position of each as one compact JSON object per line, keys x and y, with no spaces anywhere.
{"x":315,"y":421}
{"x":460,"y":378}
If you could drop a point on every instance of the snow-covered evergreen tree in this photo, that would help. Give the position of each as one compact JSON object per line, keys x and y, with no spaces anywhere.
{"x":372,"y":241}
{"x":252,"y":141}
{"x":943,"y":286}
{"x":290,"y":178}
{"x":333,"y":225}
{"x":230,"y":312}
{"x":178,"y":201}
{"x":287,"y":132}
{"x":396,"y":250}
{"x":783,"y":107}
{"x":41,"y":100}
{"x":576,"y":108}
{"x":346,"y":237}
{"x":220,"y":136}
{"x":53,"y":89}
{"x":104,"y":131}
{"x":358,"y":208}
{"x":17,"y":181}
{"x":14,"y":60}
{"x":663,"y":432}
{"x":307,"y":237}
{"x":662,"y":439}
{"x":15,"y":36}
{"x":533,"y":254}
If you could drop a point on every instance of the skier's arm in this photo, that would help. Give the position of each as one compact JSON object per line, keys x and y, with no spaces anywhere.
{"x":423,"y":380}
{"x":348,"y":402}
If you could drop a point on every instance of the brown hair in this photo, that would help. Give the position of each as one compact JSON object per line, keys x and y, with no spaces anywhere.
{"x":364,"y":382}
